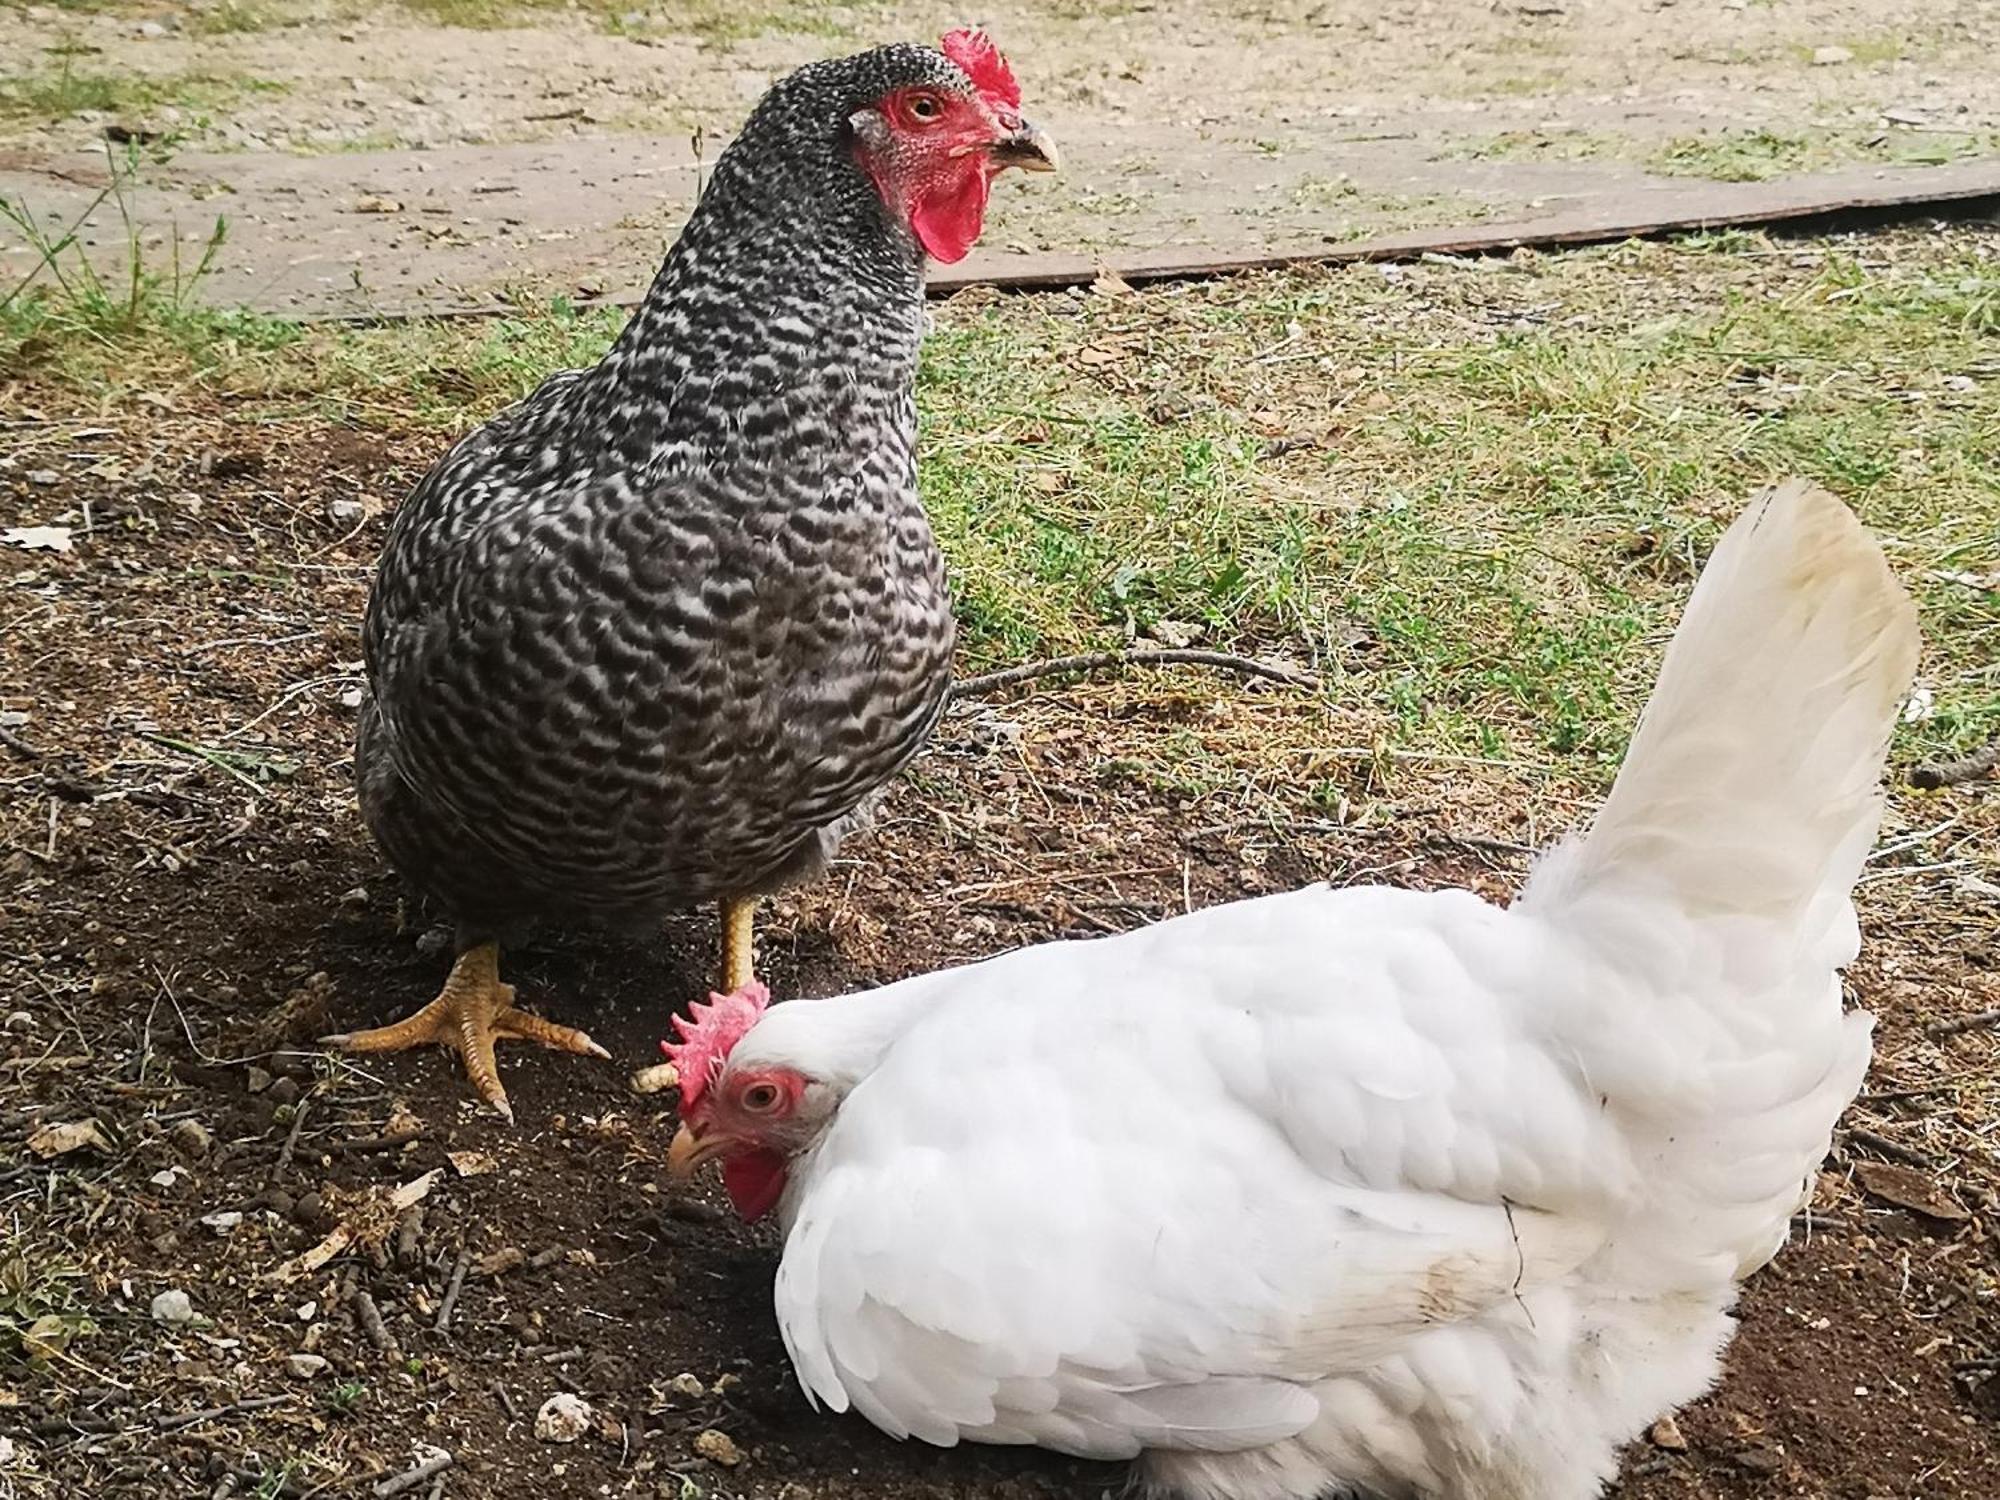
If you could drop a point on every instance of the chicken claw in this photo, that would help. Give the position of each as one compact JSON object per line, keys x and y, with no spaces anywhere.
{"x":471,"y":1013}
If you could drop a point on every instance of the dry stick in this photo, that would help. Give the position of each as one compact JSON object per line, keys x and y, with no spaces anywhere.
{"x":372,"y":1325}
{"x":367,"y":1143}
{"x":189,"y":1418}
{"x":1960,"y":1024}
{"x":507,"y":1400}
{"x":291,"y":1140}
{"x":1928,"y":778}
{"x":1893,"y":1149}
{"x":409,"y":1479}
{"x":452,"y":1289}
{"x":1092,"y":661}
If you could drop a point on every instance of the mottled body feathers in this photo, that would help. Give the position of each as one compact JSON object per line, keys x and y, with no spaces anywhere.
{"x":657,"y":634}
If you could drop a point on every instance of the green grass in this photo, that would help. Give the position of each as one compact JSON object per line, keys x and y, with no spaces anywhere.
{"x":53,"y":94}
{"x":1755,"y":155}
{"x":1510,"y":474}
{"x":719,"y":23}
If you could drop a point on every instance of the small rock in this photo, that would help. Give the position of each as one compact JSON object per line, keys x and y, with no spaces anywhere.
{"x":1666,"y":1433}
{"x":284,"y":1091}
{"x":1831,"y":57}
{"x":44,"y":478}
{"x":376,"y":203}
{"x":256,"y":1079}
{"x":345,"y":512}
{"x":191,"y":1138}
{"x":305,"y":1366}
{"x":172,"y":1308}
{"x":718,"y":1448}
{"x":224,"y":1224}
{"x":1760,"y":1460}
{"x":308,"y":1210}
{"x":687,"y":1385}
{"x":565,"y":1418}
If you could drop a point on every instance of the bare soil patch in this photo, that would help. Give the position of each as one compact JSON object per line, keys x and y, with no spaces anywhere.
{"x":189,"y":890}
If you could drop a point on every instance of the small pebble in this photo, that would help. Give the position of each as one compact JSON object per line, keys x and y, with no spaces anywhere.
{"x":687,"y":1385}
{"x":191,"y":1138}
{"x":305,"y":1366}
{"x":256,"y":1079}
{"x":44,"y":477}
{"x":1831,"y":57}
{"x":718,"y":1448}
{"x":346,"y":512}
{"x":224,"y":1224}
{"x":173,"y":1308}
{"x":1760,"y":1460}
{"x":283,"y":1091}
{"x":1666,"y":1433}
{"x":563,"y":1418}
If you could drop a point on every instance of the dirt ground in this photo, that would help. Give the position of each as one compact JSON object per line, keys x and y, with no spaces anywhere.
{"x":367,"y":159}
{"x":189,"y":891}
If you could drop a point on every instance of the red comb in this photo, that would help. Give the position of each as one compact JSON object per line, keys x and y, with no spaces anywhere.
{"x":973,"y":50}
{"x":708,"y":1034}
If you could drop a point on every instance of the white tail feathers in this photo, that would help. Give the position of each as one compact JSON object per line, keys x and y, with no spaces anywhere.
{"x":1752,"y":785}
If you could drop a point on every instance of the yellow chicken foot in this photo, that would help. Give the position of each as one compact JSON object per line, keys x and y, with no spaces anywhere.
{"x":471,"y":1013}
{"x":739,"y":915}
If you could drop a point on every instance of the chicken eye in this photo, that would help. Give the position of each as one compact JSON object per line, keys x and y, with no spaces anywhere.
{"x":760,"y":1097}
{"x":925,"y":107}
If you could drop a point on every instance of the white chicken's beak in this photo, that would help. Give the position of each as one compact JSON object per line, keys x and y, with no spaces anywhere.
{"x":690,"y":1150}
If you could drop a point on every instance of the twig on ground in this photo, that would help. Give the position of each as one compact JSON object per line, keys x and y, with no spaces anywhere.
{"x":1091,"y":661}
{"x":452,"y":1289}
{"x":189,"y":1418}
{"x":507,"y":1401}
{"x":372,"y":1324}
{"x":1960,"y":1024}
{"x":1934,"y":774}
{"x":291,"y":1140}
{"x":18,"y":745}
{"x":1893,"y":1149}
{"x":409,"y":1479}
{"x":366,"y":1143}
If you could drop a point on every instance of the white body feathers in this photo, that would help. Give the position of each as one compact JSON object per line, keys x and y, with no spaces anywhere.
{"x":1371,"y":1190}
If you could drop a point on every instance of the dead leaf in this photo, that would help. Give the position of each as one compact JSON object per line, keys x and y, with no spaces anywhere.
{"x":75,"y":1135}
{"x":45,"y":1338}
{"x":1906,"y":1188}
{"x":471,"y":1163}
{"x":368,"y":1223}
{"x":37,"y":538}
{"x":1110,"y":284}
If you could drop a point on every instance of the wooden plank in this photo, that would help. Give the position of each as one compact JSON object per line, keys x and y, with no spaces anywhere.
{"x":1886,"y":194}
{"x":1690,"y":209}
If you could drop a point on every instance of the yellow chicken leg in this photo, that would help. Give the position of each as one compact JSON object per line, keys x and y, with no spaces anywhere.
{"x":739,"y":948}
{"x":471,"y":1013}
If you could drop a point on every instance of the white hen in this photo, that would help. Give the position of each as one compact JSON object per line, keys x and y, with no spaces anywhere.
{"x":1363,"y":1190}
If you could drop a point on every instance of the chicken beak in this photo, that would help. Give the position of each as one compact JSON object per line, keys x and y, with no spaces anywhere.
{"x":1029,"y":148}
{"x":690,"y":1150}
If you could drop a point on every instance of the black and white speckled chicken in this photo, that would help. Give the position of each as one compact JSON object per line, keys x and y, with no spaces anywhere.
{"x":657,"y":635}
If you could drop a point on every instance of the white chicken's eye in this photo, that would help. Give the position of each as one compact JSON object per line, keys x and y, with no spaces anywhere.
{"x":925,"y":107}
{"x":760,"y":1097}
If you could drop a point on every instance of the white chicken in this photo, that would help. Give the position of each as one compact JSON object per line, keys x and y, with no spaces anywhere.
{"x":1362,"y":1190}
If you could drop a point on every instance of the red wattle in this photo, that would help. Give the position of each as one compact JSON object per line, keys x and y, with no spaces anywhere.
{"x":947,"y":219}
{"x":755,"y":1181}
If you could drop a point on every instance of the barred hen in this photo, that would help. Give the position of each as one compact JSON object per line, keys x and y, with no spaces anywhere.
{"x":658,"y":634}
